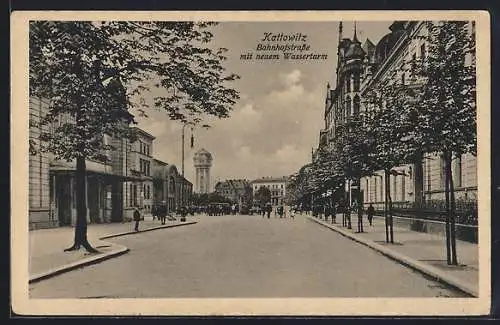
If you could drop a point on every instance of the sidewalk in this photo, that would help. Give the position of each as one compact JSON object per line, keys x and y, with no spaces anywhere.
{"x":421,"y":251}
{"x":47,"y":257}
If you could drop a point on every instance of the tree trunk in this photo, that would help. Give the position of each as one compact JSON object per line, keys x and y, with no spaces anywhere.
{"x":359,"y":198}
{"x":391,"y":220}
{"x":418,"y":177}
{"x":453,"y":240}
{"x":81,"y":190}
{"x":448,"y":210}
{"x":349,"y":224}
{"x":386,"y":204}
{"x":81,"y":210}
{"x":389,"y":205}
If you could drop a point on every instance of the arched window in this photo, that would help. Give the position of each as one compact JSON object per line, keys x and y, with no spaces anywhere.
{"x":171,"y":185}
{"x":356,"y":103}
{"x":348,"y":106}
{"x":356,"y":82}
{"x":348,"y":84}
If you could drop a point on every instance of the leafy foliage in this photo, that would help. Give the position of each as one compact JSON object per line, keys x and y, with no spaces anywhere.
{"x":93,"y":72}
{"x":446,"y":113}
{"x":263,"y":195}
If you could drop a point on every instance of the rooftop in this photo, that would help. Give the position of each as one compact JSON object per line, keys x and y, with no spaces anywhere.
{"x":143,"y":133}
{"x":268,"y":179}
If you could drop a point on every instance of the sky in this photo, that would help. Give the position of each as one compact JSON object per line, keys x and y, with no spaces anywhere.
{"x":275,"y":124}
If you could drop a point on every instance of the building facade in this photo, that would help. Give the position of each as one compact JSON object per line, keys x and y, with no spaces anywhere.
{"x":115,"y":184}
{"x":202,"y":164}
{"x":276,"y":185}
{"x":169,"y":187}
{"x":360,"y":70}
{"x":138,"y":193}
{"x":236,"y":190}
{"x":52,"y":186}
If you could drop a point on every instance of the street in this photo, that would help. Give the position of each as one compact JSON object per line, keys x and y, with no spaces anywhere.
{"x":242,"y":256}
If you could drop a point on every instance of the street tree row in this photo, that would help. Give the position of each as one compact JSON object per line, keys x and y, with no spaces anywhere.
{"x":433,"y":113}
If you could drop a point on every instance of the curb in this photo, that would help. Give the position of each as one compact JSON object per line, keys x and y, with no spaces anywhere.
{"x":80,"y":263}
{"x":98,"y":258}
{"x":149,"y":229}
{"x":421,"y":267}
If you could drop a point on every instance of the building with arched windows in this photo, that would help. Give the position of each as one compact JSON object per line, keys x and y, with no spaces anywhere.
{"x":170,"y":188}
{"x":360,"y":70}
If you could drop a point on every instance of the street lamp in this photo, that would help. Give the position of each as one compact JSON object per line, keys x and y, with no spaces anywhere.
{"x":182,"y":198}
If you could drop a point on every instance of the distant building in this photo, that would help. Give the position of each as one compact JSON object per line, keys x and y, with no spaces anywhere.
{"x":170,"y":188}
{"x":276,"y":185}
{"x":236,"y":190}
{"x":202,"y":164}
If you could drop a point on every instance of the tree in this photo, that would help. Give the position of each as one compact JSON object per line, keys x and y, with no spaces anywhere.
{"x":93,"y":72}
{"x":263,"y":195}
{"x":388,"y":131}
{"x":446,"y":112}
{"x":352,"y":150}
{"x":326,"y":174}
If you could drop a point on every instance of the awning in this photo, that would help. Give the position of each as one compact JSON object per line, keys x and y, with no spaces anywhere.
{"x":123,"y":178}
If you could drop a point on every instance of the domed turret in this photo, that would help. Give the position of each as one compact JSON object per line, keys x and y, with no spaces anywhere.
{"x":355,"y":51}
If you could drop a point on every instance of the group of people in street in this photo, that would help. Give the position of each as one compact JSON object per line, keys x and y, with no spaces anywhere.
{"x":279,"y":211}
{"x":159,"y":212}
{"x":329,"y":210}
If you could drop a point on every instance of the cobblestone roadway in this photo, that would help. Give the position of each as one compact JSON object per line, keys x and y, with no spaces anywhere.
{"x":242,"y":256}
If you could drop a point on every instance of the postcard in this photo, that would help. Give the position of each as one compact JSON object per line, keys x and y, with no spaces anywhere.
{"x":294,"y":163}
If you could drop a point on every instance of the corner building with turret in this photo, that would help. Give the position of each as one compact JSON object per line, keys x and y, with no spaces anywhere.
{"x":361,"y":66}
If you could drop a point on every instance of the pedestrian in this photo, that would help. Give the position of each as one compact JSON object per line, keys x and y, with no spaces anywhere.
{"x":162,"y":213}
{"x":333,"y":213}
{"x":291,"y":213}
{"x":370,"y":212}
{"x":269,"y":208}
{"x":154,"y":212}
{"x":137,"y":218}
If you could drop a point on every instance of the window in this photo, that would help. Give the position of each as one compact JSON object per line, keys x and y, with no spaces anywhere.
{"x":403,"y":78}
{"x":403,"y":188}
{"x":356,"y":82}
{"x":356,"y":104}
{"x":457,"y":172}
{"x":348,"y":105}
{"x":442,"y":171}
{"x":130,"y":196}
{"x":348,"y":84}
{"x":422,"y":52}
{"x":394,"y":188}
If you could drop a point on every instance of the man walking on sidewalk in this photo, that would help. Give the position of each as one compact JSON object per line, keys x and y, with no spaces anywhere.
{"x":370,"y":212}
{"x":137,"y":218}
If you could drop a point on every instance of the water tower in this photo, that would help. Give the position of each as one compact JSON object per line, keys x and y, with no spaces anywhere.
{"x":202,"y":163}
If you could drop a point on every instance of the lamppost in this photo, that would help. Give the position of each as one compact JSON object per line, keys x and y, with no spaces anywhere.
{"x":183,"y":218}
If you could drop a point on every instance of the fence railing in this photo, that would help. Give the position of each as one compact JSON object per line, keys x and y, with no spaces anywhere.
{"x":466,"y":211}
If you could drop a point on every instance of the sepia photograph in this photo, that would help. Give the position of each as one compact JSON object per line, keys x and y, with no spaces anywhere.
{"x":250,"y":163}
